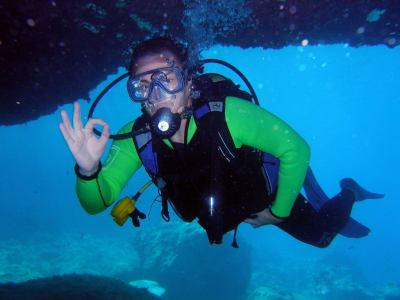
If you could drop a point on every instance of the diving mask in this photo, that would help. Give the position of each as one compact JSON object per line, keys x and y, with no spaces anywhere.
{"x":152,"y":85}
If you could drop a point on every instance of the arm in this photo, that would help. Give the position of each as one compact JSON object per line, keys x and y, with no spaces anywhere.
{"x":98,"y":193}
{"x":252,"y":125}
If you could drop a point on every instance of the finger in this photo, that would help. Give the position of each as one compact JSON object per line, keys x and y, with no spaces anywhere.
{"x":77,"y":116}
{"x":67,"y":125}
{"x":92,"y":122}
{"x":105,"y":134}
{"x":66,"y":122}
{"x":252,"y":223}
{"x":249,"y":221}
{"x":66,"y":135}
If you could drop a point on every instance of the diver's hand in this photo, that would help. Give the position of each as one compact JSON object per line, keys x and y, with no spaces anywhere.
{"x":261,"y":218}
{"x":85,"y":147}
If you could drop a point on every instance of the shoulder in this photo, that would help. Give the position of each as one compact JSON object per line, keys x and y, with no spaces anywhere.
{"x":127,"y":127}
{"x":240,"y":108}
{"x":235,"y":103}
{"x":126,"y":142}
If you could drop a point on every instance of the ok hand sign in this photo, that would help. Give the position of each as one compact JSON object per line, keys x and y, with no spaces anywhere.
{"x":85,"y":147}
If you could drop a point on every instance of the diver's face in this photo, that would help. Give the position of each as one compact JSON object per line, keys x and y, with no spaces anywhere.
{"x":175,"y":102}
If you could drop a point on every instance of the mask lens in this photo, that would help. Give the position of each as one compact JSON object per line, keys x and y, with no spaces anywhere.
{"x":142,"y":86}
{"x":140,"y":89}
{"x":167,"y":78}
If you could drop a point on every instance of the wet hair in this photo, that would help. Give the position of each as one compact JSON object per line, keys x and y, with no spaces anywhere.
{"x":156,"y":45}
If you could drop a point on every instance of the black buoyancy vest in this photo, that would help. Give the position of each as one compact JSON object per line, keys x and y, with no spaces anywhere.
{"x":209,"y":168}
{"x":208,"y":178}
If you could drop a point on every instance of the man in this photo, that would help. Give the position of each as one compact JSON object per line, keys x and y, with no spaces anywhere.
{"x":212,"y":159}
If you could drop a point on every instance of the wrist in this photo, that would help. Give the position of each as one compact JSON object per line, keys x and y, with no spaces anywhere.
{"x":90,"y":172}
{"x":88,"y":175}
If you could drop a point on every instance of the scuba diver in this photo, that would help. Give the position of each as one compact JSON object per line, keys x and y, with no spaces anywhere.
{"x":213,"y":155}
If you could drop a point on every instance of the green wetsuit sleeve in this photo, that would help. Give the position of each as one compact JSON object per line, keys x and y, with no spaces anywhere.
{"x":123,"y":161}
{"x":254,"y":126}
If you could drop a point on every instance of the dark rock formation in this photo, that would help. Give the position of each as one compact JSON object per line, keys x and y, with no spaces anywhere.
{"x":73,"y":286}
{"x":53,"y":52}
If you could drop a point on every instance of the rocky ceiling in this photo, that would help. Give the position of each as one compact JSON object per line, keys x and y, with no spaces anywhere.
{"x":54,"y":52}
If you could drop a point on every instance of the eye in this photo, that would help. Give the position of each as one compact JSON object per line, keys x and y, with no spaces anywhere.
{"x":142,"y":86}
{"x":159,"y":76}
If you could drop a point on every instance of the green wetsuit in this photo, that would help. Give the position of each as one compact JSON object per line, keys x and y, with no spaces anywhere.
{"x":248,"y":124}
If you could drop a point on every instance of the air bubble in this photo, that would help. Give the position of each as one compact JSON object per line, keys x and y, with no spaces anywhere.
{"x":31,"y":22}
{"x":360,"y":30}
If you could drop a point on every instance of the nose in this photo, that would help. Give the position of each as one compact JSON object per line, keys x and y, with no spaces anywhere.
{"x":156,"y":94}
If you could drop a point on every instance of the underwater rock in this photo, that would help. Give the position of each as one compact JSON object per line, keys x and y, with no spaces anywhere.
{"x":180,"y":258}
{"x":73,"y":286}
{"x":55,"y":52}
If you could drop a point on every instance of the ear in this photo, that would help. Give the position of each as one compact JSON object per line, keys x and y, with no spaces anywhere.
{"x":188,"y":87}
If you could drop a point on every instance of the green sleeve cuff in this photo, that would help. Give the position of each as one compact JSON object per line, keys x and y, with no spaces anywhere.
{"x":91,"y":177}
{"x":275,"y":215}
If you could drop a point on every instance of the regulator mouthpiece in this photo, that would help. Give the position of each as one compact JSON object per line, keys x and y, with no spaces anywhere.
{"x":164,"y":123}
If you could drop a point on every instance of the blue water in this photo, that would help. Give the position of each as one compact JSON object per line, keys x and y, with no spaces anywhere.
{"x":344,"y":101}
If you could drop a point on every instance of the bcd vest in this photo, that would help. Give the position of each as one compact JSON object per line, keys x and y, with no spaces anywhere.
{"x":208,"y":178}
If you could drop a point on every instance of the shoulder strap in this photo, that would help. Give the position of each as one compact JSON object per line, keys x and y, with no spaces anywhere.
{"x":143,"y":141}
{"x":206,"y":107}
{"x":210,"y":117}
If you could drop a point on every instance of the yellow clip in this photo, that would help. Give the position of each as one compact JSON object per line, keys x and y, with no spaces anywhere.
{"x":122,"y":209}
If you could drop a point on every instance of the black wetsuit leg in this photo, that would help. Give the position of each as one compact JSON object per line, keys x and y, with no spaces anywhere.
{"x":318,"y":228}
